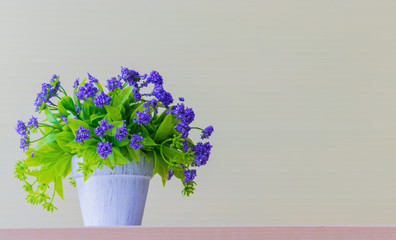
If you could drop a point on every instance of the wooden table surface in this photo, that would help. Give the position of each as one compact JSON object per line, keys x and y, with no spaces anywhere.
{"x":206,"y":233}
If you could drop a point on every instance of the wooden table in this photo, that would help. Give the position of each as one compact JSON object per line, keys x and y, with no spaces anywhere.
{"x":206,"y":233}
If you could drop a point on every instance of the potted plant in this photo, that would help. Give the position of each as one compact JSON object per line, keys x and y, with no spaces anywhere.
{"x":111,"y":143}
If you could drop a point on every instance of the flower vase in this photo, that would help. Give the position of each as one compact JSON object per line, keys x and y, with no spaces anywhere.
{"x":113,"y":197}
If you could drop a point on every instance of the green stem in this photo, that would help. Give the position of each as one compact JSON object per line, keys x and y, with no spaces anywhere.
{"x":54,"y":95}
{"x":64,"y":92}
{"x":162,"y":155}
{"x":53,"y":195}
{"x":42,"y":137}
{"x":197,"y":128}
{"x":46,"y":125}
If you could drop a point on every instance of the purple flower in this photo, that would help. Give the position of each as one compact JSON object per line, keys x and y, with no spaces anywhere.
{"x":64,"y":118}
{"x":131,"y":77}
{"x":104,"y":149}
{"x":113,"y":83}
{"x":142,"y":117}
{"x":135,"y":141}
{"x":21,"y":128}
{"x":170,"y":174}
{"x":155,"y":78}
{"x":185,"y":146}
{"x":163,"y":96}
{"x":87,"y":91}
{"x":189,"y":175}
{"x":183,"y":128}
{"x":188,"y":116}
{"x":102,"y":98}
{"x":153,"y":103}
{"x":76,"y":83}
{"x":207,"y":132}
{"x":32,"y":155}
{"x":92,"y":79}
{"x":24,"y":144}
{"x":81,"y":134}
{"x":103,"y":126}
{"x":136,"y":94}
{"x":47,"y":92}
{"x":202,"y":153}
{"x":121,"y":133}
{"x":181,"y":99}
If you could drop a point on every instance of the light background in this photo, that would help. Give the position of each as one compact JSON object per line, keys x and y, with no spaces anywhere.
{"x":301,"y":95}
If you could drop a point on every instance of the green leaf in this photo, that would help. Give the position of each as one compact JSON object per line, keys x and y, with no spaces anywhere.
{"x":59,"y":186}
{"x":156,"y":163}
{"x":56,"y":168}
{"x":125,"y":93}
{"x":74,"y":124}
{"x":96,"y":116}
{"x":115,"y":114}
{"x":50,"y":117}
{"x":134,"y":154}
{"x":162,"y":168}
{"x":68,"y":104}
{"x":112,"y":160}
{"x":62,"y":110}
{"x":63,"y":139}
{"x":118,"y":157}
{"x":117,"y":104}
{"x":147,"y":140}
{"x":122,"y":143}
{"x":174,"y":155}
{"x":165,"y":128}
{"x":88,"y":109}
{"x":45,"y":141}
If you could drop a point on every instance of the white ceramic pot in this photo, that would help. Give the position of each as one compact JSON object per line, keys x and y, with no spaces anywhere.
{"x":114,"y":198}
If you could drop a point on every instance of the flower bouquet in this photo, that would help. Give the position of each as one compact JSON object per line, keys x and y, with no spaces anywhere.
{"x":136,"y":119}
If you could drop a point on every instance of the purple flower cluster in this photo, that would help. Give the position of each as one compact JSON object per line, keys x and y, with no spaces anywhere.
{"x":92,"y":79}
{"x":135,"y":141}
{"x":89,"y":90}
{"x":22,"y":130}
{"x":143,"y":117}
{"x":207,"y":132}
{"x":121,"y":133}
{"x":136,"y":94}
{"x":81,"y":134}
{"x":131,"y":77}
{"x":155,"y":78}
{"x":24,"y":144}
{"x":101,"y":98}
{"x":163,"y":96}
{"x":202,"y":153}
{"x":186,"y":116}
{"x":48,"y":90}
{"x":103,"y":126}
{"x":113,"y":83}
{"x":189,"y":175}
{"x":104,"y":149}
{"x":76,"y":83}
{"x":170,"y":174}
{"x":32,"y":123}
{"x":153,"y":103}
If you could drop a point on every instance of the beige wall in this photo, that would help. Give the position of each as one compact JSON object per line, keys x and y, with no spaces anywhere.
{"x":301,"y":95}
